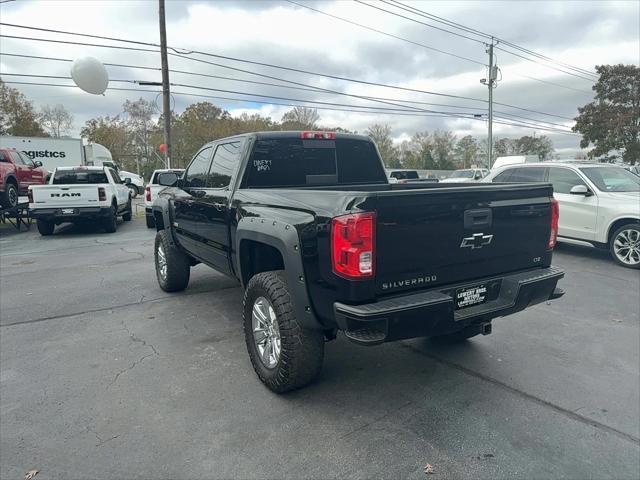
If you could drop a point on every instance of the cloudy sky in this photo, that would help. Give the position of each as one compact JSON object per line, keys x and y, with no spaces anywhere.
{"x":277,"y":32}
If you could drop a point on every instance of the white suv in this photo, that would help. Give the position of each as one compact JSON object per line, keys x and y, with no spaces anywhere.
{"x":599,"y":203}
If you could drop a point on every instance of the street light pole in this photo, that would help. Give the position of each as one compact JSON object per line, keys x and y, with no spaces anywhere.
{"x":166,"y":94}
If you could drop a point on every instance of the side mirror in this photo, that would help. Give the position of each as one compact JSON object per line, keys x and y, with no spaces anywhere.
{"x":37,"y":163}
{"x":167,"y":179}
{"x":127,"y":180}
{"x":478,"y":176}
{"x":579,"y":190}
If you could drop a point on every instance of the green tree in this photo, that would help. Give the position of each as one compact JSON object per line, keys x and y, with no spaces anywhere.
{"x":541,"y":146}
{"x":56,"y":119}
{"x":466,"y":151}
{"x":504,"y":147}
{"x":300,"y":118}
{"x":612,"y":121}
{"x":140,"y":126}
{"x":200,"y":123}
{"x":381,"y":135}
{"x":17,"y":115}
{"x":112,"y":133}
{"x":443,"y":151}
{"x":417,"y":154}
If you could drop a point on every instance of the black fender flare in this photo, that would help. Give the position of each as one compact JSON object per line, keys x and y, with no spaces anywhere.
{"x":283,"y":237}
{"x":162,"y":209}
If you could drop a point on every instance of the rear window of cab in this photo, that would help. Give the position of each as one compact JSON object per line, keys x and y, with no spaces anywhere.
{"x":78,"y":177}
{"x":295,"y":162}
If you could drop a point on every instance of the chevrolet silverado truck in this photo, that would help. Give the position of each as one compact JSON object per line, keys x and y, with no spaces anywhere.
{"x":80,"y":194}
{"x":321,"y":242}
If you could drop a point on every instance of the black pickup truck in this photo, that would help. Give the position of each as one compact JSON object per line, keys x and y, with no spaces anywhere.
{"x":321,"y":241}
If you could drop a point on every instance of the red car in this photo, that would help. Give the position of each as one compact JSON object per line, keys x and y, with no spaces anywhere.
{"x":17,"y":172}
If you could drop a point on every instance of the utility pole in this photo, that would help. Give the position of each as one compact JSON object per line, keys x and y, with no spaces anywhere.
{"x":166,"y":94}
{"x":491,"y":84}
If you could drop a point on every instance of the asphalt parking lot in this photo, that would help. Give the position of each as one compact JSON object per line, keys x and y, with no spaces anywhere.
{"x":103,"y":375}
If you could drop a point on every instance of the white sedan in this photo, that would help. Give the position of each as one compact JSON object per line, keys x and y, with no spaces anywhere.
{"x":599,"y":203}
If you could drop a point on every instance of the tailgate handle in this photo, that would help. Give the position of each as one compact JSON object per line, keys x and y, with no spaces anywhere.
{"x":480,"y":217}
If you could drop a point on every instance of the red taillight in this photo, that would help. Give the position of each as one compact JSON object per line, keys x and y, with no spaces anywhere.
{"x":353,"y":245}
{"x":147,"y":194}
{"x":555,"y":215}
{"x":317,"y":135}
{"x":102,"y":195}
{"x":30,"y":195}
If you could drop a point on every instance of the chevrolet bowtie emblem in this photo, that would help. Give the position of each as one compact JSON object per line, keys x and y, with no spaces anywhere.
{"x":477,"y":240}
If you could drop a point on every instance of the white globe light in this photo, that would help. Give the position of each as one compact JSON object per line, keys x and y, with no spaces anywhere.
{"x":90,"y":75}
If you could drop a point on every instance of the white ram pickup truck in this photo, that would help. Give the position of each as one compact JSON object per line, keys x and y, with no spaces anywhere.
{"x":77,"y":194}
{"x":151,"y":192}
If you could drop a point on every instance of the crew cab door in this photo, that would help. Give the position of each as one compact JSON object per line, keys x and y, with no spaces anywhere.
{"x":24,"y":170}
{"x":188,"y":214}
{"x":578,"y":213}
{"x":214,"y":203}
{"x":122,"y":191}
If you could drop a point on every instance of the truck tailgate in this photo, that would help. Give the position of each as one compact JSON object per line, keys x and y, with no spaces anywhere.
{"x":440,"y":236}
{"x":54,"y":196}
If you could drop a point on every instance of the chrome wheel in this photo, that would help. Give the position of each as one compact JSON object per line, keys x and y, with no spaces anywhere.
{"x":266,"y":333}
{"x":162,"y":263}
{"x":626,"y":246}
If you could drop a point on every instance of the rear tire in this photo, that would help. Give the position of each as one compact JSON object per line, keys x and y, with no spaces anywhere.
{"x":126,"y":216}
{"x":150,"y":221}
{"x":172,"y":265}
{"x":9,"y":198}
{"x":625,"y":245}
{"x":45,"y":227}
{"x":111,"y":222}
{"x":284,"y":355}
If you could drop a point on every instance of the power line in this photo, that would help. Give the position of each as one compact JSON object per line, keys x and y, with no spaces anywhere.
{"x":234,"y":68}
{"x":173,"y":84}
{"x":552,"y":83}
{"x":307,"y":72}
{"x":410,"y":9}
{"x":547,"y":66}
{"x":436,"y":18}
{"x":268,"y":84}
{"x":276,"y":85}
{"x":416,"y":21}
{"x":421,"y":44}
{"x":351,"y":109}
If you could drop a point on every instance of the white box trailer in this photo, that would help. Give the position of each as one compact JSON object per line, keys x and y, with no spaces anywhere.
{"x":52,"y":152}
{"x":60,"y":152}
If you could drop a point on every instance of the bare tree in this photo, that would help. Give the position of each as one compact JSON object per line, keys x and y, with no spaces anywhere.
{"x":56,"y":119}
{"x":300,"y":118}
{"x":381,"y":135}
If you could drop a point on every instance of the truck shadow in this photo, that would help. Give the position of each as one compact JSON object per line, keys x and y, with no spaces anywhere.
{"x":585,"y":252}
{"x":83,"y":228}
